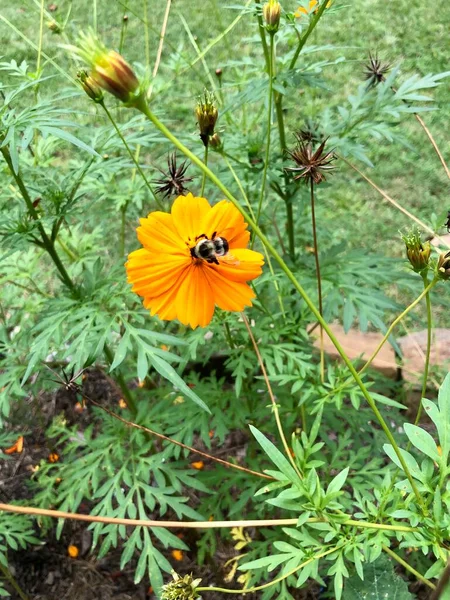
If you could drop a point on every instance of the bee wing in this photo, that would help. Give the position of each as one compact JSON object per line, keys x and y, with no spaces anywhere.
{"x":229,"y":259}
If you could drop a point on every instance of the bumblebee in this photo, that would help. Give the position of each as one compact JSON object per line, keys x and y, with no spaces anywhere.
{"x":209,"y":249}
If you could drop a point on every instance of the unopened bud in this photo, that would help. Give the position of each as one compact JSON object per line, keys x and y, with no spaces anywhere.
{"x":219,"y":73}
{"x":54,"y":27}
{"x":215,"y":142}
{"x":443,"y":265}
{"x":418,"y":253}
{"x":181,"y":588}
{"x":90,"y":86}
{"x":272,"y":14}
{"x":206,"y":113}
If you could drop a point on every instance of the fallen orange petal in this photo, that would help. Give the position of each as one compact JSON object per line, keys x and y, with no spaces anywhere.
{"x":53,"y":457}
{"x":16,"y":447}
{"x":177,"y":554}
{"x":199,"y":465}
{"x":73,"y":551}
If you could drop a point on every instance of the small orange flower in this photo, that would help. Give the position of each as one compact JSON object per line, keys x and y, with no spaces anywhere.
{"x":122,"y":403}
{"x":177,"y":555}
{"x":73,"y":551}
{"x":211,"y":434}
{"x":194,"y":259}
{"x":199,"y":465}
{"x":53,"y":457}
{"x":17,"y":447}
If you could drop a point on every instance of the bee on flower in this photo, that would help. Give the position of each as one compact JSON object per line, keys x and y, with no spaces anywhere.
{"x":192,"y":260}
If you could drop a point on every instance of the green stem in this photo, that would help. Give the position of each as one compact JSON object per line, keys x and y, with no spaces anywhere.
{"x":228,"y":336}
{"x":408,"y":567}
{"x":9,"y":577}
{"x":262,"y":33}
{"x":41,"y":36}
{"x":163,"y":129}
{"x":133,"y":158}
{"x":123,"y":213}
{"x":308,"y":32}
{"x":274,"y":581}
{"x":319,"y":281}
{"x":269,"y":127}
{"x":123,"y":31}
{"x":48,"y":245}
{"x":204,"y":174}
{"x":94,"y":16}
{"x":290,"y":227}
{"x":427,"y":355}
{"x":147,"y":34}
{"x":267,"y":255}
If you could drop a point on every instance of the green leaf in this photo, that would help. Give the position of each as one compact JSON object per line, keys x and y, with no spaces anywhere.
{"x":422,"y":440}
{"x":380,"y":582}
{"x":409,"y":459}
{"x":338,"y":481}
{"x":275,"y":455}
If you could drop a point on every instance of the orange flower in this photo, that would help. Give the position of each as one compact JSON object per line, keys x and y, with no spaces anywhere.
{"x":194,"y":259}
{"x":177,"y":555}
{"x":17,"y":447}
{"x":53,"y":457}
{"x":73,"y":551}
{"x":199,"y":465}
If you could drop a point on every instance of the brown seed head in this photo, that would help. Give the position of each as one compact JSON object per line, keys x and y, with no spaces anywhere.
{"x":375,"y":70}
{"x":174,"y":181}
{"x":443,"y":265}
{"x":311,"y":165}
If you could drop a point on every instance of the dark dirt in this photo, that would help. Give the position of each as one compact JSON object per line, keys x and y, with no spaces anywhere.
{"x":47,"y":572}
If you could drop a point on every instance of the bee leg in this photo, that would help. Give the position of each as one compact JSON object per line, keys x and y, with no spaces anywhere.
{"x":202,"y":235}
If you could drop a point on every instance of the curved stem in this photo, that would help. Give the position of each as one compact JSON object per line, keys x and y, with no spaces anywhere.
{"x":408,"y":567}
{"x":308,"y":32}
{"x":272,"y":398}
{"x":262,"y":33}
{"x":319,"y":282}
{"x":133,"y":158}
{"x":274,"y":581}
{"x":41,"y":36}
{"x":395,"y":322}
{"x":291,"y":277}
{"x":269,"y":127}
{"x":433,"y":143}
{"x":204,"y":174}
{"x":427,"y":355}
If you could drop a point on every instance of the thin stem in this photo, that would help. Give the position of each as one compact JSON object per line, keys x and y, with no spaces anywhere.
{"x":133,"y":158}
{"x":50,"y":248}
{"x":308,"y":32}
{"x":41,"y":36}
{"x":123,"y":213}
{"x":435,"y":146}
{"x":408,"y":567}
{"x":274,"y":581}
{"x":167,"y":133}
{"x":94,"y":16}
{"x":204,"y":174}
{"x":272,"y":397}
{"x":262,"y":33}
{"x":58,"y":514}
{"x":146,"y":33}
{"x":161,"y":38}
{"x":395,"y":323}
{"x":266,"y":254}
{"x":395,"y":203}
{"x":319,"y":282}
{"x":269,"y":128}
{"x":9,"y":577}
{"x":123,"y":31}
{"x":228,"y":336}
{"x":428,"y":351}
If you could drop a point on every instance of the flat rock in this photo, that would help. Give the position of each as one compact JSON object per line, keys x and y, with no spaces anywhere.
{"x":359,"y":344}
{"x":414,"y":347}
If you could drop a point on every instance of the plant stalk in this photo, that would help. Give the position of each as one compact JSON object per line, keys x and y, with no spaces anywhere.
{"x":408,"y":567}
{"x":428,"y":351}
{"x":204,"y":174}
{"x":9,"y":577}
{"x":319,"y":282}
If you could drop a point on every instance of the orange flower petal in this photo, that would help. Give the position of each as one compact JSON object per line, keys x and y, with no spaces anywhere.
{"x":157,"y":233}
{"x":164,"y":305}
{"x":188,"y":213}
{"x":226,"y":221}
{"x":152,"y":275}
{"x":229,"y":295}
{"x":195,"y":298}
{"x":241,"y":265}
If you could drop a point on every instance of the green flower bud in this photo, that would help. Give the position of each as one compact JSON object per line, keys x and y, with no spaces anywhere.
{"x":90,"y":86}
{"x":207,"y":114}
{"x":181,"y":588}
{"x":272,"y":14}
{"x":418,"y":253}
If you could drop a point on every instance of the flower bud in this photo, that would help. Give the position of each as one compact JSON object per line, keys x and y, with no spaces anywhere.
{"x":181,"y":588}
{"x":206,"y":113}
{"x":443,"y":265}
{"x":90,"y":86}
{"x":109,"y":70}
{"x":272,"y":14}
{"x":216,"y":142}
{"x":418,"y":253}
